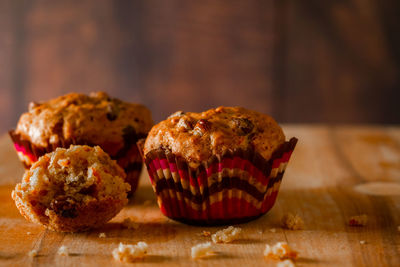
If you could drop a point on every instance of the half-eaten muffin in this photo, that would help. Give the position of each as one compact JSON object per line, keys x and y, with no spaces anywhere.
{"x":72,"y":190}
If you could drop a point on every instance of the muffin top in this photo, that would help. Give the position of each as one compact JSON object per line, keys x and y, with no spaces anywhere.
{"x":96,"y":119}
{"x":65,"y":177}
{"x":197,"y":136}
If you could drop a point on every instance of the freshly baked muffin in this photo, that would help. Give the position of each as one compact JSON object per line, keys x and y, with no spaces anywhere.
{"x":73,"y":189}
{"x":220,"y":166}
{"x":80,"y":119}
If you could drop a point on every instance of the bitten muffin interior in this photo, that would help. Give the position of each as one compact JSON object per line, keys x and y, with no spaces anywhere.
{"x":197,"y":136}
{"x":67,"y":178}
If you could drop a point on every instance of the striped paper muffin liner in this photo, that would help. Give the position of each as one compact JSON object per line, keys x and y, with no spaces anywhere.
{"x":128,"y":157}
{"x":232,"y":188}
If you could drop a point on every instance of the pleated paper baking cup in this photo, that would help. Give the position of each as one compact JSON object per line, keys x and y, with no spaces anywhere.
{"x":232,"y":188}
{"x":128,"y":157}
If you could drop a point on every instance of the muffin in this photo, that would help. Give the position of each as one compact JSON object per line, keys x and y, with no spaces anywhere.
{"x":79,"y":119}
{"x":72,"y":189}
{"x":221,"y":166}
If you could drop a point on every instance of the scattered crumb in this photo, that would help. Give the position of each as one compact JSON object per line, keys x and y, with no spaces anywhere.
{"x":285,"y":263}
{"x":260,"y":232}
{"x":33,"y":253}
{"x":292,"y":222}
{"x":102,"y":235}
{"x":272,"y":230}
{"x":362,"y":242}
{"x":63,"y":251}
{"x":280,"y":250}
{"x":130,"y":253}
{"x":226,"y":235}
{"x":28,"y":233}
{"x":202,"y":250}
{"x":130,"y":224}
{"x":206,"y":233}
{"x":359,"y":220}
{"x":147,"y":202}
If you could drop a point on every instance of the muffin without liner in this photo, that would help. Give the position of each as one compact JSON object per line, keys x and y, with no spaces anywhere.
{"x":72,"y":190}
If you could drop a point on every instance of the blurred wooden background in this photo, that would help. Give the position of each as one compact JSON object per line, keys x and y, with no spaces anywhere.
{"x":300,"y":61}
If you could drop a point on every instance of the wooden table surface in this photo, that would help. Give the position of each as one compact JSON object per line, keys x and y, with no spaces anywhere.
{"x":335,"y":173}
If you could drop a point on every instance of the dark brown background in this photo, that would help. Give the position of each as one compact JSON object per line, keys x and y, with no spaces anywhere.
{"x":300,"y":61}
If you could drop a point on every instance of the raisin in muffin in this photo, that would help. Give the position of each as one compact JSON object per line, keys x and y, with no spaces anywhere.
{"x":220,"y":166}
{"x":80,"y":119}
{"x":73,"y":189}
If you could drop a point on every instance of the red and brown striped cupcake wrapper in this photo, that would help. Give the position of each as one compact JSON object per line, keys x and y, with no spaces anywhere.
{"x":128,"y":157}
{"x":232,"y":188}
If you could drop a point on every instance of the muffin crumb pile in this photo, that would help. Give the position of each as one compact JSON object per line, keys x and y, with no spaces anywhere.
{"x":130,"y":253}
{"x":359,"y":220}
{"x":292,"y":222}
{"x":202,"y":250}
{"x":226,"y":235}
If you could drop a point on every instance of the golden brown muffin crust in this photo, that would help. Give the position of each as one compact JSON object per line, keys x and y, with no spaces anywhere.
{"x":197,"y":136}
{"x":94,"y":119}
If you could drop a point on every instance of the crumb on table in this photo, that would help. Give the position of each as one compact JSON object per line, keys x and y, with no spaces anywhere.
{"x":130,"y":253}
{"x":292,"y":222}
{"x":285,"y":263}
{"x":102,"y":235}
{"x":358,"y":220}
{"x":280,"y":250}
{"x":63,"y":251}
{"x":202,"y":250}
{"x":272,"y":230}
{"x":33,"y":253}
{"x":362,"y":242}
{"x":226,"y":235}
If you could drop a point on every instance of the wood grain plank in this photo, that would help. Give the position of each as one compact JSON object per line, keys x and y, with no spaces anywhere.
{"x":168,"y":56}
{"x":337,"y":55}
